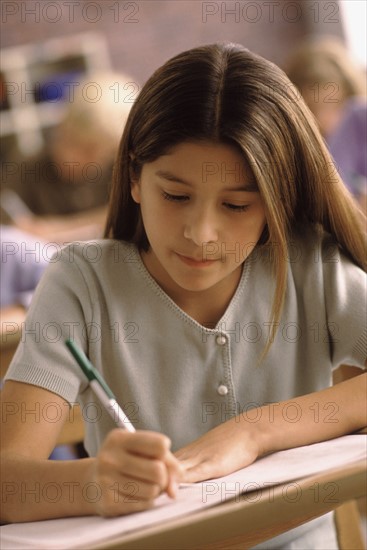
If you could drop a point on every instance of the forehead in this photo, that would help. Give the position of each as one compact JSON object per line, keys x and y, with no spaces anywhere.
{"x":209,"y":160}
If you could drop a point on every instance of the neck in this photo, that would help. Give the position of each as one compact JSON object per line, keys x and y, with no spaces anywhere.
{"x":206,"y":306}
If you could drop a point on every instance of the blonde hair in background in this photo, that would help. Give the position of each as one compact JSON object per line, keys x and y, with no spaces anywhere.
{"x":98,"y":109}
{"x":325,"y":60}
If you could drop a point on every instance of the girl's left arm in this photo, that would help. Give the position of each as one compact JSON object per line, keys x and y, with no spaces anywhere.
{"x":318,"y":416}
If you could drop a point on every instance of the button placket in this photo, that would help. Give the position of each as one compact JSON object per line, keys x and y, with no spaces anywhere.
{"x":222,"y":340}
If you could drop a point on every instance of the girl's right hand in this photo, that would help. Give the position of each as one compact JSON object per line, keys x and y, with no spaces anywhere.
{"x":131,"y":470}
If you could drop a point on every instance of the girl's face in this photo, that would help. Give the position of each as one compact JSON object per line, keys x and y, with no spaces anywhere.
{"x":202,"y":214}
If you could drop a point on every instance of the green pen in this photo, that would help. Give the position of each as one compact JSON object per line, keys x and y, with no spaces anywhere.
{"x":100,"y":387}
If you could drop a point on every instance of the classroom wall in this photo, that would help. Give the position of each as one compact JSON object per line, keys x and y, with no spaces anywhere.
{"x":139,"y":36}
{"x":142,"y":34}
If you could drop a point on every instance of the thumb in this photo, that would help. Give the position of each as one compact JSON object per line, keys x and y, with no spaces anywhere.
{"x":175,"y":473}
{"x":199,"y":471}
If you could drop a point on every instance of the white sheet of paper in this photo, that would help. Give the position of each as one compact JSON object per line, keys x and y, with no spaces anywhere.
{"x":80,"y":533}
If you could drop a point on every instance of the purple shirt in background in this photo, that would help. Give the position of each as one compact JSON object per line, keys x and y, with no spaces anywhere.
{"x":348,"y":146}
{"x":22,"y":265}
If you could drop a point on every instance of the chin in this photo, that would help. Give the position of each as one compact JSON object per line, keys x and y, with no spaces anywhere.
{"x":194,"y":285}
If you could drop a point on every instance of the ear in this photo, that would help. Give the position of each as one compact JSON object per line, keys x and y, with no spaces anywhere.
{"x":134,"y":180}
{"x":135,"y":190}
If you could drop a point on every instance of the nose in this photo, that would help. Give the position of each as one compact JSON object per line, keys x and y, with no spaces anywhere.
{"x":201,"y":226}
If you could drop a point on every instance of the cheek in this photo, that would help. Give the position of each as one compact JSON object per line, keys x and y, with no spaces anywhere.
{"x":261,"y":222}
{"x":157,"y":218}
{"x":259,"y":218}
{"x":255,"y":223}
{"x":248,"y":233}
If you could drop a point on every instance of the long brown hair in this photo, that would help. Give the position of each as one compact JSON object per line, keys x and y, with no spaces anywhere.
{"x":225,"y":93}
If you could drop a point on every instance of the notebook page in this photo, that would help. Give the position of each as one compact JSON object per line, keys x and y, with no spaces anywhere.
{"x":82,"y":533}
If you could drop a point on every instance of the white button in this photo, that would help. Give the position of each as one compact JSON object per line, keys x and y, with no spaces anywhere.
{"x":221,"y":340}
{"x":222,"y":390}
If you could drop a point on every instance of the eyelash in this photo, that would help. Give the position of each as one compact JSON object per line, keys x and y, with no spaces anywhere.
{"x":174,"y":198}
{"x":183,"y":198}
{"x":237,"y":207}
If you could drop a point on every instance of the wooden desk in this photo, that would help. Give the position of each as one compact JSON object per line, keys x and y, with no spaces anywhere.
{"x":257,"y":516}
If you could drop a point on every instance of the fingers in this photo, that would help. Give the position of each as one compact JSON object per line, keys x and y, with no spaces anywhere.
{"x":175,"y":474}
{"x":145,"y":456}
{"x":149,"y":444}
{"x":134,"y":468}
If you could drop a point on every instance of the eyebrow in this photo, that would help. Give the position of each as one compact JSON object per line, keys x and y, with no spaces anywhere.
{"x":250,"y":187}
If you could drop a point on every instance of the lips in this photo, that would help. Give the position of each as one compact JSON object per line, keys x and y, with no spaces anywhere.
{"x":195,"y":262}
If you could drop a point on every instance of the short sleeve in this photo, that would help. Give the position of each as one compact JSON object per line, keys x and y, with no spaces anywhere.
{"x":345,"y":287}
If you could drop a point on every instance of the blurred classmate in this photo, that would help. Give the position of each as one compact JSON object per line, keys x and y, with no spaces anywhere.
{"x":334,"y":88}
{"x":23,"y":261}
{"x":22,"y":264}
{"x":62,"y":194}
{"x":348,"y":146}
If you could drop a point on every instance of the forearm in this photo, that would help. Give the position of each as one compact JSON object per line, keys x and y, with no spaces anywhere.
{"x":314,"y":417}
{"x":34,"y":489}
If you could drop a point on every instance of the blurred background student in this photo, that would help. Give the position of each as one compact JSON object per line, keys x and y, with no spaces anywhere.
{"x":23,"y":260}
{"x":22,"y":265}
{"x":61,"y":195}
{"x":334,"y":88}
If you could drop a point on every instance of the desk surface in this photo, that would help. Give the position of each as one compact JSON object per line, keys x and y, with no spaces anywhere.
{"x":212,"y":524}
{"x":252,"y":518}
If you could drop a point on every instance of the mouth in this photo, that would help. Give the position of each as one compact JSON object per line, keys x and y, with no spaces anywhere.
{"x":194,"y":262}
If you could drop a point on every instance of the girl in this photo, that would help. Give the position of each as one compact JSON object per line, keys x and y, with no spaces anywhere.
{"x":229,"y":286}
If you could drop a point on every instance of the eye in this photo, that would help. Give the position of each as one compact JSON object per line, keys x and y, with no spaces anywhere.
{"x":174,"y":198}
{"x":236,"y":207}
